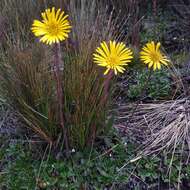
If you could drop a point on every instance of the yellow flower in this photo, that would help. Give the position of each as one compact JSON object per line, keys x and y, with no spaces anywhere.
{"x":152,"y":56}
{"x":113,"y":56}
{"x":53,"y":28}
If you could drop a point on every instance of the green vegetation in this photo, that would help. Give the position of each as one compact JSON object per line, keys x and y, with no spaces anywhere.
{"x":90,"y":169}
{"x":64,"y":125}
{"x":158,"y":86}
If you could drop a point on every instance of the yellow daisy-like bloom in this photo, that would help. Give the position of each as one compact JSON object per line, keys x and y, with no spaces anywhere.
{"x":152,"y":55}
{"x":53,"y":28}
{"x":113,"y":56}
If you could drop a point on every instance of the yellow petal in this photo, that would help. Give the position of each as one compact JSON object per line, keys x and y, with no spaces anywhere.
{"x":107,"y":70}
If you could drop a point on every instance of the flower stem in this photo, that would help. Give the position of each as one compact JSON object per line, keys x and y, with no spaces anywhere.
{"x":142,"y":95}
{"x":106,"y":86}
{"x":155,"y":8}
{"x":57,"y":75}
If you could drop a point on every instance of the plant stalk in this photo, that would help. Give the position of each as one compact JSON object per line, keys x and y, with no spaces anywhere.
{"x":57,"y":75}
{"x":142,"y":94}
{"x":106,"y":86}
{"x":155,"y":8}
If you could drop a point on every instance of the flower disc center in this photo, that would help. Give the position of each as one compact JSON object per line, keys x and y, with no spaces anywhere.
{"x":112,"y":61}
{"x":53,"y":29}
{"x":155,"y":56}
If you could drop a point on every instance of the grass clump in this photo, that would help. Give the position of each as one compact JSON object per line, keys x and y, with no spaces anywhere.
{"x":33,"y":92}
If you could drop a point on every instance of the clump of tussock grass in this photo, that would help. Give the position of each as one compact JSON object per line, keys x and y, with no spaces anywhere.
{"x":27,"y":86}
{"x":30,"y":67}
{"x":85,"y":110}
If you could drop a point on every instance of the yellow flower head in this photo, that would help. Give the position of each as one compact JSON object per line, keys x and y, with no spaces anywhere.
{"x":113,"y":56}
{"x":152,"y":56}
{"x":53,"y":28}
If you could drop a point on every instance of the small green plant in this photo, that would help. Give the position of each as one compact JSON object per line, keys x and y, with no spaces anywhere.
{"x":168,"y":168}
{"x":15,"y":160}
{"x":158,"y":87}
{"x":154,"y":28}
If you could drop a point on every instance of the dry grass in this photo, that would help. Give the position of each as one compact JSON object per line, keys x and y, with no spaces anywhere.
{"x":163,"y":126}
